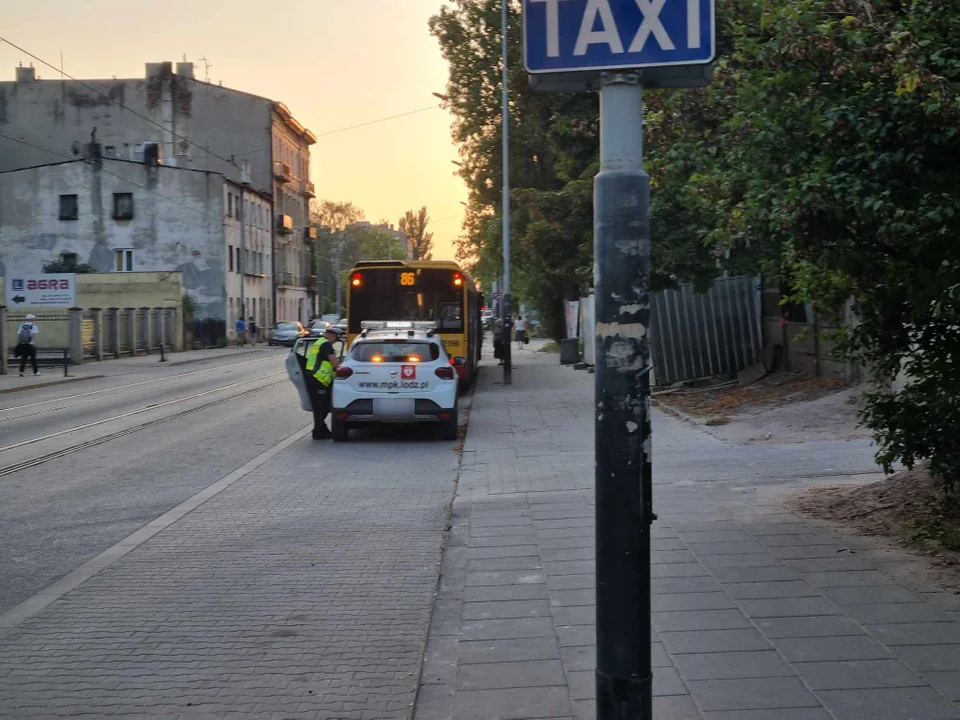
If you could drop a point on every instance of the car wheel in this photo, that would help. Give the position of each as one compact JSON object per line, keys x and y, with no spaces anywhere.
{"x":450,"y":427}
{"x":339,"y":429}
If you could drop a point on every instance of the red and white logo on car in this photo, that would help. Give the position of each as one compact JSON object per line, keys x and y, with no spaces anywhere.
{"x":408,"y":372}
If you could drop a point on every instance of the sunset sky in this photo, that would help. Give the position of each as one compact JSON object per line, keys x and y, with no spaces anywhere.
{"x":334,"y":63}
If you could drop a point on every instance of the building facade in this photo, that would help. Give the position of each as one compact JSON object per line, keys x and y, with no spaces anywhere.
{"x":119,"y":216}
{"x":248,"y":257}
{"x":196,"y":125}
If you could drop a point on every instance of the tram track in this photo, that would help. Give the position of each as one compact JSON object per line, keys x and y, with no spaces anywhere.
{"x":116,"y":392}
{"x":93,"y":442}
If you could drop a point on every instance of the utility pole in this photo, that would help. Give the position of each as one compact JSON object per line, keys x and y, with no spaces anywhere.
{"x":621,"y":229}
{"x":337,"y":250}
{"x":507,"y":323}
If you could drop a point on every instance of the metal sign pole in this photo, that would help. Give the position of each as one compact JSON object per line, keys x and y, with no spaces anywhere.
{"x":621,"y":46}
{"x":624,"y":509}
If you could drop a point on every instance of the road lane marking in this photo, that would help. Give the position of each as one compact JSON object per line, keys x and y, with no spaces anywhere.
{"x":72,"y":580}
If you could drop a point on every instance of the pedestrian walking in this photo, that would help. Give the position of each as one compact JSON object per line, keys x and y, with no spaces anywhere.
{"x":498,"y":341}
{"x":241,"y":332}
{"x":252,"y":326}
{"x":321,"y":365}
{"x":521,"y":334}
{"x":27,"y":344}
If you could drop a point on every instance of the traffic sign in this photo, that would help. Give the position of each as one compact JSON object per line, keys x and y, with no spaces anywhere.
{"x":563,"y":36}
{"x":38,"y":291}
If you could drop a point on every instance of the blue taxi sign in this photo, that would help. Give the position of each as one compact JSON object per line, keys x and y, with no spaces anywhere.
{"x":563,"y":36}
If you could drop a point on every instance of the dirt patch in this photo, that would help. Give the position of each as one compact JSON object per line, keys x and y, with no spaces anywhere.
{"x":909,"y":507}
{"x":777,"y":389}
{"x":778,"y":409}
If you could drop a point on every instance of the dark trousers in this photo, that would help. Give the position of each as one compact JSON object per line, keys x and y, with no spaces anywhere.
{"x":28,"y":352}
{"x":320,"y":399}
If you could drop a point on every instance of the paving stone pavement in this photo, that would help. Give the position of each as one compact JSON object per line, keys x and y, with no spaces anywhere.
{"x":303,"y":590}
{"x":757,"y":614}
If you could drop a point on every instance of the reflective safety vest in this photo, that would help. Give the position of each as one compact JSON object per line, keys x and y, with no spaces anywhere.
{"x":324,"y":374}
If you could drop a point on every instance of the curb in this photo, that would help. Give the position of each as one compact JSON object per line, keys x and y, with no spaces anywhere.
{"x":36,"y":386}
{"x":679,"y":414}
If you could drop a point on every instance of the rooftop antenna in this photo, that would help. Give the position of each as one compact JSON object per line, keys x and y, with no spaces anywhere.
{"x":206,"y":69}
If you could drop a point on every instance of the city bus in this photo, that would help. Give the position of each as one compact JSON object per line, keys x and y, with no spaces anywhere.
{"x":420,"y":290}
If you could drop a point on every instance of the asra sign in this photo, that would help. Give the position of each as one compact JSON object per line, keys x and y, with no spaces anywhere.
{"x":578,"y":35}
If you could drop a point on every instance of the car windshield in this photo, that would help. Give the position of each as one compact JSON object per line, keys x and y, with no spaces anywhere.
{"x":318,"y":324}
{"x":395,"y":351}
{"x":286,"y":326}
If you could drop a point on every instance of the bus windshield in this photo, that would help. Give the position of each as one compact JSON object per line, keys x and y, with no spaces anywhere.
{"x":402,"y":294}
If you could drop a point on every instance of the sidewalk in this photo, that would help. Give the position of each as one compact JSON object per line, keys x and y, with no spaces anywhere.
{"x":758,"y":615}
{"x":92,"y":370}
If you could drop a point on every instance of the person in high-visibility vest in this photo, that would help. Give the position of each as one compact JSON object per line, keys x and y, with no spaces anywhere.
{"x":321,"y":365}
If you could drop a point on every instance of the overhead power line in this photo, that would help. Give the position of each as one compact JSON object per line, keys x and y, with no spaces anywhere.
{"x":354,"y":127}
{"x":108,"y":172}
{"x":123,"y":107}
{"x":229,"y":161}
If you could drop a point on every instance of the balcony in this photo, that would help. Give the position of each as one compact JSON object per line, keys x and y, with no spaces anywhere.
{"x":284,"y":225}
{"x":282,"y":172}
{"x":309,"y":234}
{"x":309,"y":190}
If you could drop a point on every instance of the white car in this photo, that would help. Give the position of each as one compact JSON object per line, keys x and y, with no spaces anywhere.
{"x":396,"y":372}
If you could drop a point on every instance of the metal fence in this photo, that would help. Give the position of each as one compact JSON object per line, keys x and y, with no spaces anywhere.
{"x":54,"y":327}
{"x":696,"y":335}
{"x":93,"y":334}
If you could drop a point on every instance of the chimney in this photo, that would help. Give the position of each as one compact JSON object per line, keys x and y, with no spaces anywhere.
{"x":26,"y":74}
{"x":164,"y":69}
{"x":185,"y":69}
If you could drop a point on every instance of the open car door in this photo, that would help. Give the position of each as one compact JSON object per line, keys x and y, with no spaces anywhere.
{"x":296,"y":367}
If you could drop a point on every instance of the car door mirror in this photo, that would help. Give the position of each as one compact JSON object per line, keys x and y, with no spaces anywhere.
{"x":340,"y":347}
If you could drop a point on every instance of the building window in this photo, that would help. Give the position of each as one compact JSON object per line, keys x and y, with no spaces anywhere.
{"x":124,"y":260}
{"x":230,"y":253}
{"x":123,"y":206}
{"x":68,"y":207}
{"x":239,"y":269}
{"x":229,"y":205}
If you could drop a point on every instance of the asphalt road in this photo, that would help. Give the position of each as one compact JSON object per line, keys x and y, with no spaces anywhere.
{"x":201,"y":421}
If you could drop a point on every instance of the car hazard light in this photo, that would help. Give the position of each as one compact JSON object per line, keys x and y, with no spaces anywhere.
{"x":445,"y":372}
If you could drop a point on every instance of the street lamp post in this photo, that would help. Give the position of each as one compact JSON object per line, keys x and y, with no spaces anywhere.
{"x":506,"y":309}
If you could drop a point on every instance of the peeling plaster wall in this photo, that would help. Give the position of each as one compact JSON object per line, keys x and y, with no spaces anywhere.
{"x":180,"y":231}
{"x":60,"y":116}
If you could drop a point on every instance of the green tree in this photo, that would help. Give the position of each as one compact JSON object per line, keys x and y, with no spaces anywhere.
{"x":414,"y":225}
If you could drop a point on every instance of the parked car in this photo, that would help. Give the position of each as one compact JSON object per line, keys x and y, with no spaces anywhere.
{"x":318,"y":327}
{"x":286,"y":333}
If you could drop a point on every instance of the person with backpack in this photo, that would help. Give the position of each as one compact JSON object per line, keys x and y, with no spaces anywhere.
{"x":27,"y":344}
{"x":252,"y":327}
